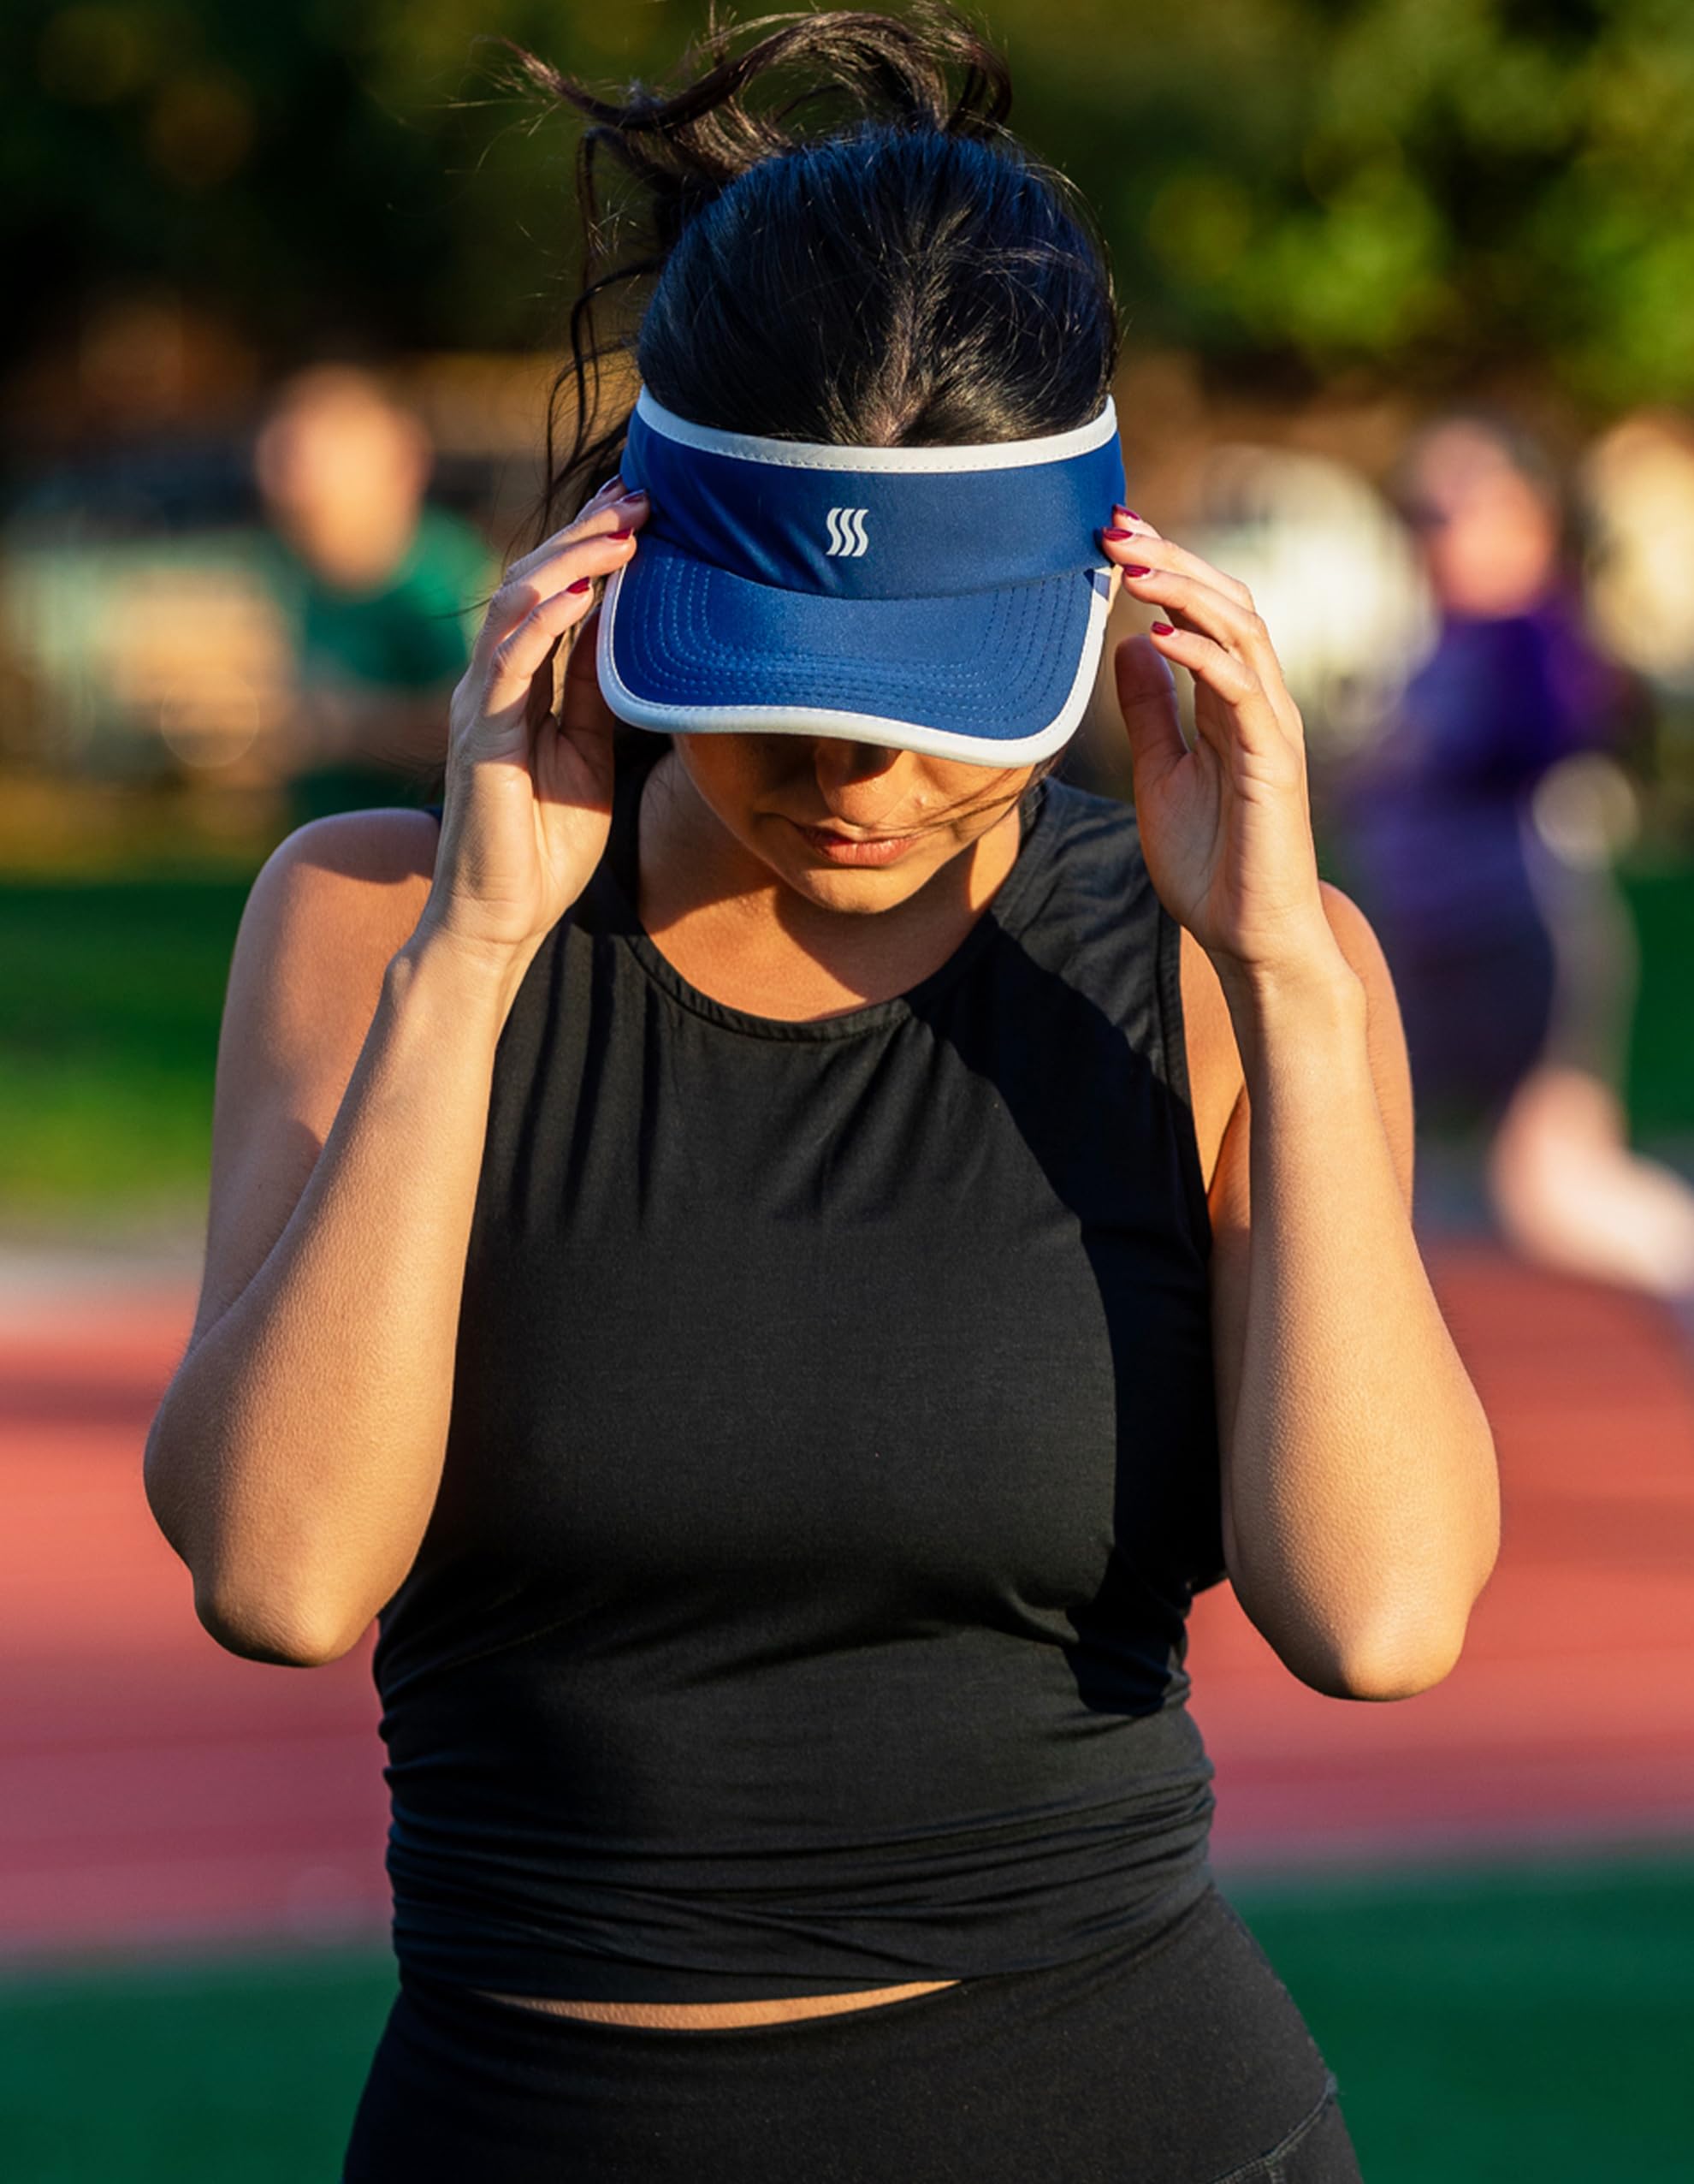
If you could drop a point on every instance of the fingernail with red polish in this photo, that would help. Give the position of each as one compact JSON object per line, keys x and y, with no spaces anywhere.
{"x":1114,"y":533}
{"x":620,"y":534}
{"x":582,"y":583}
{"x":1127,"y":514}
{"x":1131,"y":569}
{"x":1164,"y":629}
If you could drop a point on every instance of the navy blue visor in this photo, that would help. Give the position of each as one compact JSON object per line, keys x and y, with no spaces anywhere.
{"x":951,"y":601}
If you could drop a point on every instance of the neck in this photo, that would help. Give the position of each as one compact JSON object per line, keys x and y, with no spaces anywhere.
{"x":736,"y":931}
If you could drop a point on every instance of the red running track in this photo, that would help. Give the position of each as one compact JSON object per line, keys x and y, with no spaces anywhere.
{"x":153,"y":1789}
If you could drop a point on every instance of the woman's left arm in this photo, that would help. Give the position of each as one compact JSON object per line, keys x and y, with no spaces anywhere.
{"x":1361,"y":1512}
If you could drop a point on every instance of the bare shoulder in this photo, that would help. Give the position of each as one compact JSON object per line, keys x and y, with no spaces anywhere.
{"x":329,"y":906}
{"x":326,"y":913}
{"x":365,"y":866}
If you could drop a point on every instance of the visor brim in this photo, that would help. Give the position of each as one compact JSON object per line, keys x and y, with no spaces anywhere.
{"x":996,"y":677}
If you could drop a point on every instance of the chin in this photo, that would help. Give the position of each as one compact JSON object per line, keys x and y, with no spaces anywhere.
{"x":853,"y":888}
{"x":860,"y":894}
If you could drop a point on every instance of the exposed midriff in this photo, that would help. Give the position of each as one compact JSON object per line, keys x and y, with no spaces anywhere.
{"x":688,"y":2017}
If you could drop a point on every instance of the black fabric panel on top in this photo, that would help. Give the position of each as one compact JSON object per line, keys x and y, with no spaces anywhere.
{"x":832,"y":1463}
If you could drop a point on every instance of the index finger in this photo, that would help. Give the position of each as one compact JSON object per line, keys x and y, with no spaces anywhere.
{"x":538,"y":556}
{"x":1165,"y":553}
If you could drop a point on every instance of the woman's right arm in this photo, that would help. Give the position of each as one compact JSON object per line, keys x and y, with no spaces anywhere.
{"x":293,"y":1462}
{"x":295,"y":1458}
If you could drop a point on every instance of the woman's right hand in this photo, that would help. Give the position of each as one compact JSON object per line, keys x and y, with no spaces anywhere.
{"x":527,"y":804}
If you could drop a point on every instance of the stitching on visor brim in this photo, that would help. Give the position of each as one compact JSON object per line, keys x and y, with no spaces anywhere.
{"x":744,"y":717}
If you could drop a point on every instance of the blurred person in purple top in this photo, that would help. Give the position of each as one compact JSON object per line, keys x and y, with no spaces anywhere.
{"x":1481,"y":826}
{"x":1438,"y":815}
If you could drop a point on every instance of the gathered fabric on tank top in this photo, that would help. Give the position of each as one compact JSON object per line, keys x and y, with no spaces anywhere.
{"x":831,"y":1463}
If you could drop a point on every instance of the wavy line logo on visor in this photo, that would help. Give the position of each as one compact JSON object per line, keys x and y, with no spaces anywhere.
{"x":847,"y":535}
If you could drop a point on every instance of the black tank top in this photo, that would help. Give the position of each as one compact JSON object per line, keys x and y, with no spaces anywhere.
{"x":831,"y":1463}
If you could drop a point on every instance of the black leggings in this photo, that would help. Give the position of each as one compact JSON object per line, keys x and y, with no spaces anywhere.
{"x":1177,"y":2058}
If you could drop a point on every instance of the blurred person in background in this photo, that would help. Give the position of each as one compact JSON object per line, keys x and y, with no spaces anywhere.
{"x":1481,"y":826}
{"x":374,"y":581}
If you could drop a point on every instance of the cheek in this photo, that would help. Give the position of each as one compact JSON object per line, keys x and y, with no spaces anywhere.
{"x":973,"y":797}
{"x":728,"y":773}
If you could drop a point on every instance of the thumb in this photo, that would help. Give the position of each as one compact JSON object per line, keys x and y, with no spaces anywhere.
{"x":1147,"y":696}
{"x":581,"y":707}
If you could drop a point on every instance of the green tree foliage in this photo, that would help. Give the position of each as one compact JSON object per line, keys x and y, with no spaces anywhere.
{"x":1429,"y":188}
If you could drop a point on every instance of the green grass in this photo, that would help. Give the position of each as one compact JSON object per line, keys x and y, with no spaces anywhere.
{"x":111,"y":990}
{"x":229,"y":2073}
{"x":1485,"y":2026}
{"x":1659,"y":1090}
{"x":112,"y":993}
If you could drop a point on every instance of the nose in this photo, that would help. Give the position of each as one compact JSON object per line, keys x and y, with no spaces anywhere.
{"x":840,"y":762}
{"x":862,"y":784}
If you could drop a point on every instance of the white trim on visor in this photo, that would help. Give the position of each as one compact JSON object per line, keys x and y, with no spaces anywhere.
{"x":811,"y":454}
{"x":854,"y":727}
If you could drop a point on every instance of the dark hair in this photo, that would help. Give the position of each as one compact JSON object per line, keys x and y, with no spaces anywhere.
{"x":862,"y":255}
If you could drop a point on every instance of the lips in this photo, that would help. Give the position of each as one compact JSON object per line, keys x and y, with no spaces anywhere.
{"x":854,"y":849}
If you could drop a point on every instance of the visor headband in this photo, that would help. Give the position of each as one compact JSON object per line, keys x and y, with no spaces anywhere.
{"x":876,"y":523}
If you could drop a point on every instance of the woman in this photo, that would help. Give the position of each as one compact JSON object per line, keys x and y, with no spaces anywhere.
{"x":1511,"y":947}
{"x":740,"y":1254}
{"x":1440,"y":809}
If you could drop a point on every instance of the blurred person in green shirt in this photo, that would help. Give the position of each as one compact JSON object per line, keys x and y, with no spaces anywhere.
{"x":380,"y":590}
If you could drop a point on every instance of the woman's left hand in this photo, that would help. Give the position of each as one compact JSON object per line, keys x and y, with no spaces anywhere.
{"x":1226,"y":827}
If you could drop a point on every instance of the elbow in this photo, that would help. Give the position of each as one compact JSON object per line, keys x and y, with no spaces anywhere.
{"x":247,"y":1615}
{"x":1404,"y":1632}
{"x":1410,"y":1654}
{"x":256,"y":1630}
{"x":1386,"y":1676}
